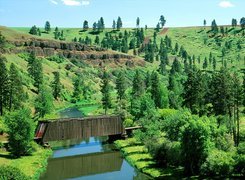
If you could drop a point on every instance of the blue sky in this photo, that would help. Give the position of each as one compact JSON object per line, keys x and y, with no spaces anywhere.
{"x":71,"y":13}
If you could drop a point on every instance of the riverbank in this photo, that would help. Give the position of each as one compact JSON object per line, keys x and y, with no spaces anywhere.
{"x":32,"y":166}
{"x":139,"y":157}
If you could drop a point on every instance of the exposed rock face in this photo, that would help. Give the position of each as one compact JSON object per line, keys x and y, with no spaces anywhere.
{"x":45,"y":48}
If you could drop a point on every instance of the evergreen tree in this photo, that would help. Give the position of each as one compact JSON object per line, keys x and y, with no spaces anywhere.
{"x":138,"y":85}
{"x":20,"y":132}
{"x":114,"y":25}
{"x":94,"y":26}
{"x":156,"y":92}
{"x":102,"y":24}
{"x":3,"y":84}
{"x":56,"y":85}
{"x":119,"y":23}
{"x":205,"y":63}
{"x":242,"y":22}
{"x":158,"y":27}
{"x":35,"y":70}
{"x":176,"y":67}
{"x":33,"y":30}
{"x":85,"y":25}
{"x":234,"y":22}
{"x":194,"y":91}
{"x":43,"y":102}
{"x":47,"y":27}
{"x":121,"y":86}
{"x":77,"y":87}
{"x":105,"y":90}
{"x":16,"y":91}
{"x":138,"y":22}
{"x":162,"y":20}
{"x":214,"y":63}
{"x":97,"y":40}
{"x":214,"y":27}
{"x":204,"y":22}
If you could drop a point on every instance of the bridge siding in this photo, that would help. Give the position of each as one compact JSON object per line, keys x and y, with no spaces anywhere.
{"x":82,"y":128}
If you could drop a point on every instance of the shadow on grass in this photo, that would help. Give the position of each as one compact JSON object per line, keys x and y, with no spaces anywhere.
{"x":6,"y":156}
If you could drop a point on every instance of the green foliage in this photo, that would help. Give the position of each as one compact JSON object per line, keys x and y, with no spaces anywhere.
{"x":218,"y":163}
{"x":57,"y":59}
{"x":3,"y":84}
{"x":56,"y":85}
{"x":194,"y":145}
{"x":128,"y":122}
{"x":21,"y":132}
{"x":43,"y":102}
{"x":2,"y":40}
{"x":35,"y":70}
{"x":16,"y":91}
{"x":12,"y":173}
{"x":105,"y":90}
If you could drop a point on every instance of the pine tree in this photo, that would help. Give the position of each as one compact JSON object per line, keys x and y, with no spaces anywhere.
{"x":205,"y":63}
{"x":33,"y":30}
{"x":97,"y":40}
{"x":204,"y":22}
{"x":35,"y":70}
{"x":194,"y":91}
{"x":176,"y":67}
{"x":77,"y":87}
{"x":162,"y":20}
{"x":85,"y":25}
{"x":105,"y":90}
{"x":56,"y":85}
{"x":138,"y":22}
{"x":47,"y":27}
{"x":214,"y":27}
{"x":3,"y":84}
{"x":156,"y":92}
{"x":43,"y":102}
{"x":16,"y":91}
{"x":114,"y":25}
{"x":121,"y":86}
{"x":119,"y":23}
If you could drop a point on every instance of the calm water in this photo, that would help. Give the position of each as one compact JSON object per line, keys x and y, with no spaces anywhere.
{"x":90,"y":159}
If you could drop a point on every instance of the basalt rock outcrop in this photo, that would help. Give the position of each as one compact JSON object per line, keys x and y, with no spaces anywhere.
{"x":72,"y":50}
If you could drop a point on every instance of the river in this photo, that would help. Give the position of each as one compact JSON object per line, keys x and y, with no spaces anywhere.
{"x":90,"y":159}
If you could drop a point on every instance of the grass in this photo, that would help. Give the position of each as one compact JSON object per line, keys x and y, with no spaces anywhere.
{"x":137,"y":155}
{"x":32,"y":165}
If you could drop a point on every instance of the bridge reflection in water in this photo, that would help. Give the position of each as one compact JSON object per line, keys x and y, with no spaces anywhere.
{"x":83,"y":165}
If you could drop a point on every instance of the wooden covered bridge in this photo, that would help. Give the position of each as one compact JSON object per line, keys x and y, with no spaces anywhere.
{"x":80,"y":128}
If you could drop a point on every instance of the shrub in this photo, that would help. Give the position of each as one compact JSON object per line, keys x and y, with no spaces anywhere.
{"x":20,"y":131}
{"x":218,"y":163}
{"x":128,"y":122}
{"x":12,"y":173}
{"x":240,"y":159}
{"x":56,"y":59}
{"x":165,"y":153}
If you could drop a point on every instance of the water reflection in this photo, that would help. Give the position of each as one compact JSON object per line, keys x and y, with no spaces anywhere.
{"x":89,"y":160}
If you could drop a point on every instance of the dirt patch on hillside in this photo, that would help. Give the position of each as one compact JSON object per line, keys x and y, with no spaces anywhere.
{"x":163,"y":31}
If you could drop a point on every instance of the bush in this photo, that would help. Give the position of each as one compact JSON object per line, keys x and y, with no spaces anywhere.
{"x":20,"y":131}
{"x":240,"y":159}
{"x":56,"y":59}
{"x":218,"y":163}
{"x":128,"y":122}
{"x":166,"y":153}
{"x":12,"y":173}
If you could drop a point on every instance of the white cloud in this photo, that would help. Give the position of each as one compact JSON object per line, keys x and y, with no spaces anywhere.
{"x":72,"y":2}
{"x":53,"y":2}
{"x":226,"y":4}
{"x":85,"y":3}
